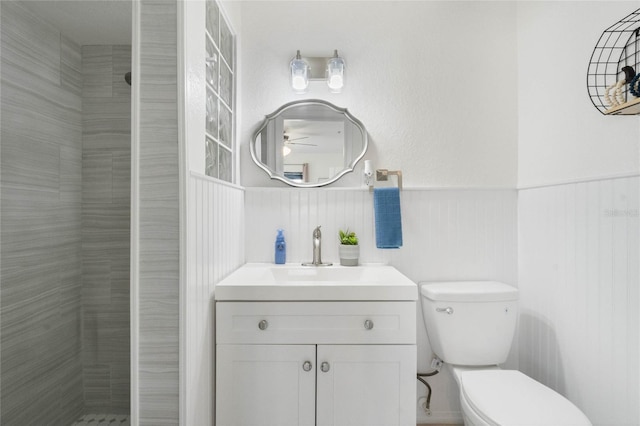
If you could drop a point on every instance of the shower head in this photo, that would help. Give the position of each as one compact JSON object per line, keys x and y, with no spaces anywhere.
{"x":127,"y":78}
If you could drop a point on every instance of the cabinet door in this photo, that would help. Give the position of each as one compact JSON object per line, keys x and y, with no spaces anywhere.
{"x":265,"y":385}
{"x":366,"y":385}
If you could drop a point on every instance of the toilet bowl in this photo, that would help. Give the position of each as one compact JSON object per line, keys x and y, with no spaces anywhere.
{"x":508,"y":397}
{"x":470,"y":326}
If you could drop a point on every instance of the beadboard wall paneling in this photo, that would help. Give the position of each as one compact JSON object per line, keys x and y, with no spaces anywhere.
{"x":40,"y":198}
{"x":298,"y":212}
{"x":106,"y":194}
{"x":157,"y":216}
{"x":449,"y":234}
{"x":215,"y":245}
{"x":578,"y":277}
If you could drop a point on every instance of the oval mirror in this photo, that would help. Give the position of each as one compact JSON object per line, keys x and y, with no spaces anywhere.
{"x":309,"y":143}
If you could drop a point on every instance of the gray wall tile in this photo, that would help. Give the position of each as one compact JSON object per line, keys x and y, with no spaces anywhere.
{"x":159,"y":215}
{"x":106,"y":189}
{"x":121,"y":175}
{"x":65,"y":224}
{"x":97,"y":71}
{"x":70,"y":65}
{"x":30,"y":43}
{"x":96,"y":177}
{"x":106,"y":123}
{"x":70,"y":175}
{"x":30,"y":165}
{"x":40,"y":214}
{"x":121,"y":66}
{"x":97,"y":386}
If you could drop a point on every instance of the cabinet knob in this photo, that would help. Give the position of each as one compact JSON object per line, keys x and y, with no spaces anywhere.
{"x":368,"y":324}
{"x":307,"y":366}
{"x":262,"y":325}
{"x":325,"y":367}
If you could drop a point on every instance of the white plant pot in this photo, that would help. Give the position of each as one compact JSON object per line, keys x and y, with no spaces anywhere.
{"x":349,"y":255}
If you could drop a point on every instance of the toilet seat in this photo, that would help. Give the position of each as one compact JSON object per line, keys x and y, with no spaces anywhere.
{"x":508,"y":397}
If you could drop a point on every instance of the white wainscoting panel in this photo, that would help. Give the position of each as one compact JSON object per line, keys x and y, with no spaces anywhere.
{"x":578,"y":277}
{"x":215,"y":248}
{"x":298,"y":212}
{"x":449,"y":234}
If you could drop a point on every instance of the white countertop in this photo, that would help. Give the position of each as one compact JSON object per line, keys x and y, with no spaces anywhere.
{"x":289,"y":282}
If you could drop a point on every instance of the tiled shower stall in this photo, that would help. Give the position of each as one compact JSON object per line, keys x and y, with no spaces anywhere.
{"x":106,"y":193}
{"x":65,"y":201}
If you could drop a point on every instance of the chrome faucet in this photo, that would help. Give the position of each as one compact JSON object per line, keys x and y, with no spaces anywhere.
{"x":317,"y":249}
{"x":317,"y":246}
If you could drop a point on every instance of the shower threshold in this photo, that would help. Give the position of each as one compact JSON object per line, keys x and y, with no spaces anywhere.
{"x":103,"y":420}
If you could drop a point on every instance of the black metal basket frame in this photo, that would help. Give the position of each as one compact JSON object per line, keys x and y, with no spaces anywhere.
{"x":618,"y":47}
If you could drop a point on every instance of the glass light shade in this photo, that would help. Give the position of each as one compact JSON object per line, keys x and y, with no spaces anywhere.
{"x":286,"y":151}
{"x":335,"y":74}
{"x":299,"y":75}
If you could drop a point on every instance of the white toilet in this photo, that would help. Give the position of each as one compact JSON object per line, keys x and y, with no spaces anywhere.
{"x":470,"y":326}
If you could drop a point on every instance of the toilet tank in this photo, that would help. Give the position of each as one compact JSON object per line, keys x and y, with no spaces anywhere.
{"x":470,"y":322}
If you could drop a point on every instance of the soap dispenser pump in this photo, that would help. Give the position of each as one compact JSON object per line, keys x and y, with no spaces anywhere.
{"x":281,"y":248}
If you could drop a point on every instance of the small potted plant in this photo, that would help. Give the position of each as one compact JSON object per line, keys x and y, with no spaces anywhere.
{"x":349,"y":249}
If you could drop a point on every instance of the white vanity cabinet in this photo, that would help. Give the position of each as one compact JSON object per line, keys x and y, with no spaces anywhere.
{"x":265,"y":385}
{"x":342,"y":363}
{"x":366,"y":385}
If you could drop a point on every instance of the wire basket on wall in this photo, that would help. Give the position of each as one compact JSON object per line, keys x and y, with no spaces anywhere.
{"x":617,"y":48}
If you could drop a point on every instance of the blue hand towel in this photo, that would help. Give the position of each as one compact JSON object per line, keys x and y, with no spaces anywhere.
{"x":386,"y":205}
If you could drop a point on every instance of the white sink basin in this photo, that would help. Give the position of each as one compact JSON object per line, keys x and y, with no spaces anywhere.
{"x":326,"y":274}
{"x":264,"y":281}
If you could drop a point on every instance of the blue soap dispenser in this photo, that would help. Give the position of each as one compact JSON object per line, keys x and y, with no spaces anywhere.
{"x":281,"y":248}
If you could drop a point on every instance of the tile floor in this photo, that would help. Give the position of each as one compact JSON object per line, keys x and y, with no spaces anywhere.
{"x":440,"y":424}
{"x":103,"y":420}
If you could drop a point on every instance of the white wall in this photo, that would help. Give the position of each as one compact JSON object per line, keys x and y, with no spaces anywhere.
{"x":433,"y":82}
{"x":455,"y":94}
{"x":216,"y":248}
{"x":320,"y":164}
{"x":426,"y":79}
{"x":578,"y":277}
{"x":578,"y":230}
{"x":213,"y":226}
{"x":561,"y":136}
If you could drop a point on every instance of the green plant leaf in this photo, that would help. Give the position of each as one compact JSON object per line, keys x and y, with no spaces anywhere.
{"x":348,"y":238}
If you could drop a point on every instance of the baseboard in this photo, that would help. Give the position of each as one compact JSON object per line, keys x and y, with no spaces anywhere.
{"x":450,"y":418}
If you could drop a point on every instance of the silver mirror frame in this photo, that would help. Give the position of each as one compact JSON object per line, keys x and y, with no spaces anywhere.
{"x":306,"y":102}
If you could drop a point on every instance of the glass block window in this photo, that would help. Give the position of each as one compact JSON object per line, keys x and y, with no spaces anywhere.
{"x":220,"y":145}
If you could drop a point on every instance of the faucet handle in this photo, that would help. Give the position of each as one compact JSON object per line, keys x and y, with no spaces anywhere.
{"x":316,"y":232}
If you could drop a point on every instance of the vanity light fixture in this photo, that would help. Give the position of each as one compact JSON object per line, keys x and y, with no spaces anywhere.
{"x":299,"y":74}
{"x":335,"y":73}
{"x":329,"y":69}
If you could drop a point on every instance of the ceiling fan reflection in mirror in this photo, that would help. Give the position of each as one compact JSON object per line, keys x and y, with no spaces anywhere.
{"x":289,"y":141}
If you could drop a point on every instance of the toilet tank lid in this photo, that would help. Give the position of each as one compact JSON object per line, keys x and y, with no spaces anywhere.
{"x":468,"y":291}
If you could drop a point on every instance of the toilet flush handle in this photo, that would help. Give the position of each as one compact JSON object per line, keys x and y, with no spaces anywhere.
{"x":448,"y":310}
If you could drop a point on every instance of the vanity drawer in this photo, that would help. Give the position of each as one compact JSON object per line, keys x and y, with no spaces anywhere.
{"x":316,"y":322}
